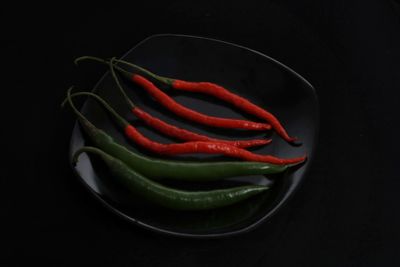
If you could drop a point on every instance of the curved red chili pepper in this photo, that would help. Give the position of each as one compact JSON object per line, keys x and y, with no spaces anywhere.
{"x":188,"y":147}
{"x":207,"y":88}
{"x":186,"y":135}
{"x":171,"y":130}
{"x":236,"y":100}
{"x":174,"y":131}
{"x":192,"y":115}
{"x":204,"y":147}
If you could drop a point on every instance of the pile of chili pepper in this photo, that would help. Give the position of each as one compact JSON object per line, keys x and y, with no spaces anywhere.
{"x":142,"y":174}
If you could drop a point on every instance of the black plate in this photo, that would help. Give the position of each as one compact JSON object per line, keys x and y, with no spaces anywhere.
{"x":251,"y":74}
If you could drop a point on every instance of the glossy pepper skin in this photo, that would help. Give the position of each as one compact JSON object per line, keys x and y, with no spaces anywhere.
{"x":166,"y":169}
{"x":174,"y":131}
{"x":174,"y":149}
{"x":179,"y":109}
{"x":205,"y":147}
{"x":191,"y":147}
{"x":186,"y":135}
{"x":169,"y":197}
{"x":236,"y":100}
{"x":223,"y":94}
{"x":192,"y":115}
{"x":214,"y":90}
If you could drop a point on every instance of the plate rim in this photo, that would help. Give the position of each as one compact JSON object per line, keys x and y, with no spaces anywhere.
{"x":243,"y":230}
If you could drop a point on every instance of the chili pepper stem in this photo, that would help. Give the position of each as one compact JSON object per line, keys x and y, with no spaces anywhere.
{"x":121,"y":121}
{"x":114,"y":75}
{"x":84,"y":150}
{"x":165,"y":80}
{"x":161,"y":79}
{"x":79,"y":59}
{"x":78,"y":114}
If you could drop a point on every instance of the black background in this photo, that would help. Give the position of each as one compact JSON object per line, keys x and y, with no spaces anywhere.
{"x":346,"y":213}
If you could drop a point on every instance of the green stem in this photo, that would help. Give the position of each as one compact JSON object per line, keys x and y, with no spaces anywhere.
{"x":91,"y":150}
{"x":121,"y":121}
{"x":162,"y":79}
{"x":79,"y":59}
{"x":114,"y":75}
{"x":137,"y":68}
{"x":74,"y":109}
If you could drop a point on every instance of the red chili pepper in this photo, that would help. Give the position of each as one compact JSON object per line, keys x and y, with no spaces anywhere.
{"x":186,"y":135}
{"x":204,"y":147}
{"x":238,"y":101}
{"x":192,"y":115}
{"x":177,"y":108}
{"x":189,"y":147}
{"x":211,"y":89}
{"x":174,"y":131}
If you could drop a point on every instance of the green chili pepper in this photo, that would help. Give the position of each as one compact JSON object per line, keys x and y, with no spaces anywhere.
{"x":178,"y":170}
{"x":169,"y":197}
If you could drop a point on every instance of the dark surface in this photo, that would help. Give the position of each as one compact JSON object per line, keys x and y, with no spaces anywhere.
{"x":243,"y":71}
{"x":345,"y":214}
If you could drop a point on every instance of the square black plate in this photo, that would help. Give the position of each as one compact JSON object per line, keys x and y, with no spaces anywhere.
{"x":251,"y":74}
